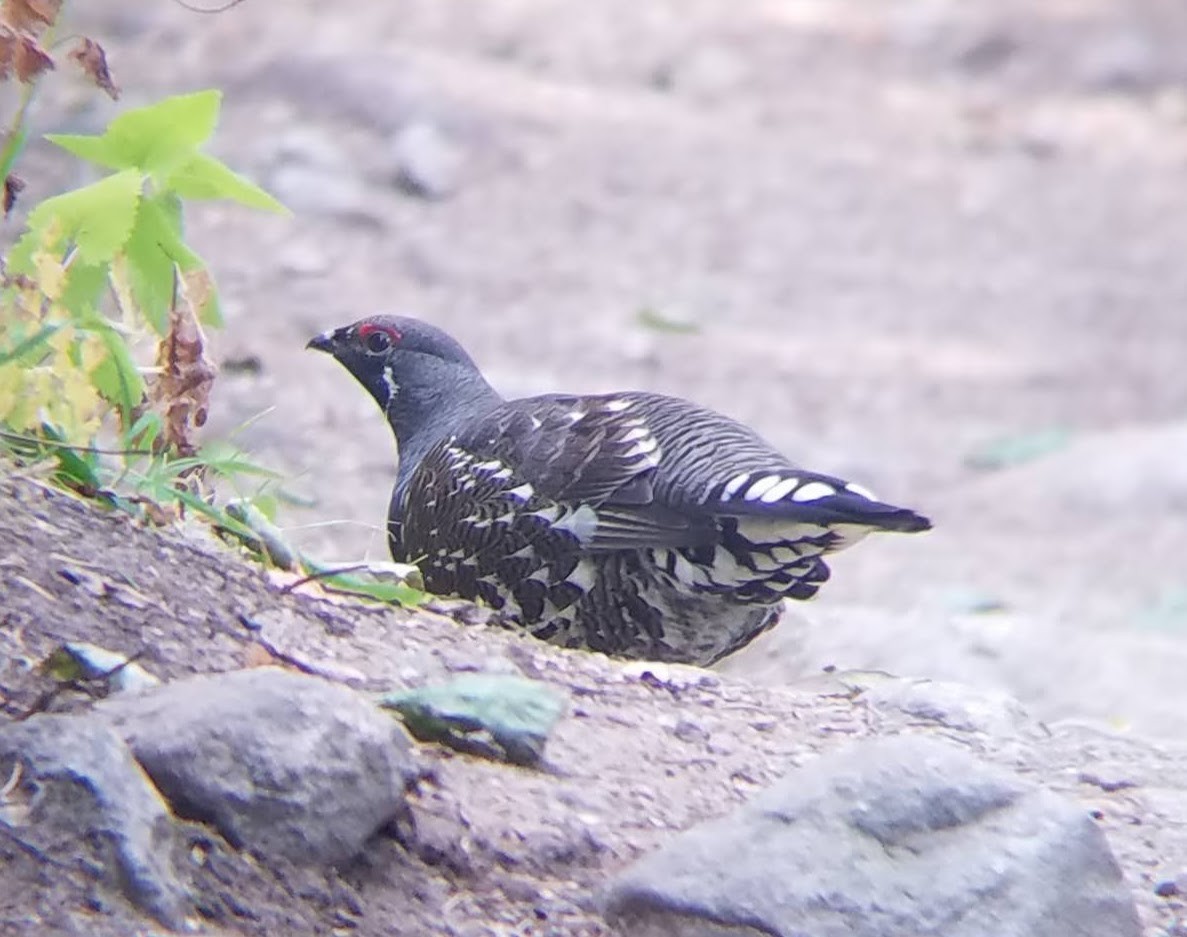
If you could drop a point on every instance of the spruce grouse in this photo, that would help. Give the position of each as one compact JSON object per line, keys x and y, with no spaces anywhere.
{"x":636,"y":524}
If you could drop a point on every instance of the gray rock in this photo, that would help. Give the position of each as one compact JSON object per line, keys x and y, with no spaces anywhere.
{"x":81,"y":794}
{"x":427,"y":162}
{"x":312,"y":173}
{"x":304,"y":259}
{"x":952,"y":705}
{"x":280,"y":763}
{"x":903,"y":836}
{"x":1126,"y":62}
{"x":315,"y":190}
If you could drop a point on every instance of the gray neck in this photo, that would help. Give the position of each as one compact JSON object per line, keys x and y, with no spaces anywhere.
{"x":432,"y":403}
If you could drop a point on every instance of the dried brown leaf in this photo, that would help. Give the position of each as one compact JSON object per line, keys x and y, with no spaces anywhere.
{"x":30,"y":60}
{"x":181,"y":390}
{"x":13,"y":186}
{"x":162,"y":515}
{"x":30,"y":15}
{"x":93,"y":61}
{"x":256,"y":655}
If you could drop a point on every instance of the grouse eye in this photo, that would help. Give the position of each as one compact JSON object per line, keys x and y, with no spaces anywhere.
{"x":377,"y":341}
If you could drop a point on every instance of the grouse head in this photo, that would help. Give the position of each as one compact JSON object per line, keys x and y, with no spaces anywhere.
{"x":423,"y":380}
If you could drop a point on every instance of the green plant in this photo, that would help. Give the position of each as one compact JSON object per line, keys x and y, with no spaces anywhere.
{"x":98,"y":272}
{"x":100,"y":275}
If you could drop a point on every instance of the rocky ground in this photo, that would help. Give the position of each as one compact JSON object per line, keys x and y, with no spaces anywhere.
{"x":641,"y":754}
{"x":935,"y":245}
{"x":918,"y":240}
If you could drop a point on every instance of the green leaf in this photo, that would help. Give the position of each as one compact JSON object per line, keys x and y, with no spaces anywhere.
{"x":269,"y":541}
{"x":515,"y":713}
{"x":1015,"y":450}
{"x":154,"y":250}
{"x":116,"y":376}
{"x":78,"y":660}
{"x":20,"y":256}
{"x":659,"y":322}
{"x":153,"y":139}
{"x":211,"y":312}
{"x":30,"y":344}
{"x":204,"y":177}
{"x":84,"y":285}
{"x":229,"y":461}
{"x":14,"y":151}
{"x":220,"y":517}
{"x":98,"y":149}
{"x":98,"y":217}
{"x":390,"y":593}
{"x":144,"y":432}
{"x":78,"y":468}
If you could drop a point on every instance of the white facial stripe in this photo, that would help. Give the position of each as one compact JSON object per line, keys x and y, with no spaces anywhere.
{"x":390,"y":380}
{"x":781,"y":490}
{"x":813,"y":491}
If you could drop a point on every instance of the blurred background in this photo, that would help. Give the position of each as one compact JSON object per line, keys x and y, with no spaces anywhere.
{"x":936,"y":246}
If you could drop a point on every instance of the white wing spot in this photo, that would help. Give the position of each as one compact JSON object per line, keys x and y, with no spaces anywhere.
{"x":492,"y":466}
{"x":574,"y":416}
{"x":732,"y":486}
{"x":616,"y":406}
{"x":639,"y":432}
{"x":762,"y":486}
{"x":813,"y":491}
{"x":643,"y":447}
{"x":780,"y":491}
{"x":861,"y":491}
{"x":523,"y":493}
{"x":459,"y":457}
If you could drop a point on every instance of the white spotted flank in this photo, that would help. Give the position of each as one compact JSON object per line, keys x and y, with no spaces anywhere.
{"x":781,"y":490}
{"x":813,"y":491}
{"x":762,"y":486}
{"x":732,"y":486}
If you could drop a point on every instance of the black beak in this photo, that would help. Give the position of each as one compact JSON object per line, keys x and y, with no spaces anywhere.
{"x":324,"y":342}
